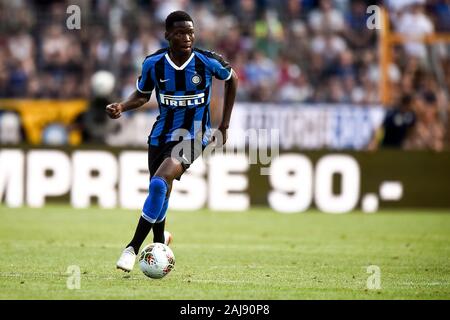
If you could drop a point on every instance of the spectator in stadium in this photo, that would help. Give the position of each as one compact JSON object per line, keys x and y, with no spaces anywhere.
{"x":415,"y":23}
{"x":428,"y":133}
{"x":397,"y":125}
{"x":21,"y":47}
{"x":261,"y":73}
{"x":356,"y":33}
{"x":328,"y":44}
{"x":326,"y":18}
{"x":246,"y":12}
{"x":291,"y":12}
{"x":441,"y":9}
{"x":268,"y":34}
{"x":296,"y":89}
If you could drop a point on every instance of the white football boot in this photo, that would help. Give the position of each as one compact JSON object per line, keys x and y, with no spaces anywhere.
{"x":127,"y":260}
{"x":168,"y":238}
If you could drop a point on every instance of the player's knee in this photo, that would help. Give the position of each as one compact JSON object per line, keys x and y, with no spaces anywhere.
{"x":168,"y":178}
{"x":158,"y":185}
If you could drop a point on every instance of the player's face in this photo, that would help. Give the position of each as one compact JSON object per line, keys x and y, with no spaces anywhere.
{"x":181,"y":37}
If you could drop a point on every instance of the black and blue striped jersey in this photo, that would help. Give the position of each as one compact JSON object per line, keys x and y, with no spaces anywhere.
{"x":183,"y":93}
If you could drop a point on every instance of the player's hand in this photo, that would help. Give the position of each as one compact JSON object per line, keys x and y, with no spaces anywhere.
{"x":114,"y":110}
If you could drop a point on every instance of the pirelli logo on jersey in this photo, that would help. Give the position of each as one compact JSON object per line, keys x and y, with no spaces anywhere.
{"x":182,"y":101}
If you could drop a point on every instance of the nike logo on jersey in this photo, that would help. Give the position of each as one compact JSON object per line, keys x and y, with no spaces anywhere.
{"x":160,"y":80}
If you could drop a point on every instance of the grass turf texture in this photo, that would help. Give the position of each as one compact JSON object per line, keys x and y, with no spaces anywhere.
{"x":258,"y":254}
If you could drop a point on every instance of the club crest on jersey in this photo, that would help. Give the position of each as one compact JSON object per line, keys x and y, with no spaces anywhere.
{"x":182,"y":101}
{"x":196,"y":79}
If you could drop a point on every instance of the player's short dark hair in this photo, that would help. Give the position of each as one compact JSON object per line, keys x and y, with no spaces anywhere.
{"x":175,"y":17}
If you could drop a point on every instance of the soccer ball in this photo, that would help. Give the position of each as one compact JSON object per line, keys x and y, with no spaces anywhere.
{"x":156,"y":260}
{"x":102,"y":83}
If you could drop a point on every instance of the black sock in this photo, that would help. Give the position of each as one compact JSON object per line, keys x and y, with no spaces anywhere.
{"x":158,"y":231}
{"x":142,"y":230}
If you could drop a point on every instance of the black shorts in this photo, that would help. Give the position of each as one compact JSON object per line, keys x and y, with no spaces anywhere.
{"x":184,"y":151}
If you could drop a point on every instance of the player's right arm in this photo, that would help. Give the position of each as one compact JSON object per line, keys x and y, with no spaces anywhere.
{"x":144,"y":88}
{"x":134,"y":101}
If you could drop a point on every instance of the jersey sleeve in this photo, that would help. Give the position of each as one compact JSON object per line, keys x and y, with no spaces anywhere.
{"x":221,"y":69}
{"x":145,"y":83}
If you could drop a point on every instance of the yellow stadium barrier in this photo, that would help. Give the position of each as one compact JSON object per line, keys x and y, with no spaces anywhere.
{"x":36,"y":114}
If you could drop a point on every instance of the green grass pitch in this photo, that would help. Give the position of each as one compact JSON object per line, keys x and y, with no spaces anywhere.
{"x":258,"y":254}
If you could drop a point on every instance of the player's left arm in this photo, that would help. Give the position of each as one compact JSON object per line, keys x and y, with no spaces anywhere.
{"x":228,"y":103}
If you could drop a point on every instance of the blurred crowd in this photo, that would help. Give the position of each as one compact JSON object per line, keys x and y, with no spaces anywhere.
{"x":318,"y":51}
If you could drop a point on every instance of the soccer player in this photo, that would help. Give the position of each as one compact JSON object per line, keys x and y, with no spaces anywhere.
{"x":181,"y":75}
